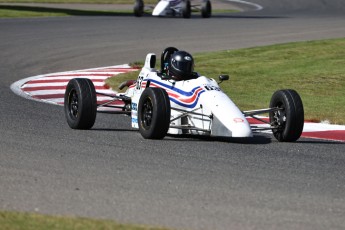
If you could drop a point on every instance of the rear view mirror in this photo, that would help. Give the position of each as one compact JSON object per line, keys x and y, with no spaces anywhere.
{"x":223,"y":78}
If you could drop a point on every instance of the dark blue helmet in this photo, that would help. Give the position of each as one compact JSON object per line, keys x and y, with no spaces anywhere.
{"x":181,"y":65}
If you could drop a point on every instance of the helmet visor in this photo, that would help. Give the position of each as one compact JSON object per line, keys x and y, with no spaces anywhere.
{"x":184,"y":66}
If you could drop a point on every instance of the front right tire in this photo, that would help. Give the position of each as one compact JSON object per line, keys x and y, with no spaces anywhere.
{"x":80,"y":103}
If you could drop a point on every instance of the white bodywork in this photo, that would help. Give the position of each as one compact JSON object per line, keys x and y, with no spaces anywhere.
{"x":167,"y":7}
{"x":198,"y":106}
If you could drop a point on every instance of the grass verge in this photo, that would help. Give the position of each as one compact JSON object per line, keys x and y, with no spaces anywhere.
{"x":32,"y":221}
{"x":316,"y":69}
{"x":78,"y":1}
{"x":7,"y":11}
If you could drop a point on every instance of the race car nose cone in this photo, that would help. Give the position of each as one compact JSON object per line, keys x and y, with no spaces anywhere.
{"x":242,"y":130}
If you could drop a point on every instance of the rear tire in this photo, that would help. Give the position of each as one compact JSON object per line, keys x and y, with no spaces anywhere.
{"x":80,"y":103}
{"x":186,"y":9}
{"x":154,"y":113}
{"x":138,"y":8}
{"x":289,"y":121}
{"x":206,"y":9}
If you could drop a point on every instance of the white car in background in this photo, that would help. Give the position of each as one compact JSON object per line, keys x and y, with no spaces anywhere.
{"x":181,"y":8}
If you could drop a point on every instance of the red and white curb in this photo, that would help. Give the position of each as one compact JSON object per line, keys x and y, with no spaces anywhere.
{"x":50,"y":88}
{"x":322,"y":131}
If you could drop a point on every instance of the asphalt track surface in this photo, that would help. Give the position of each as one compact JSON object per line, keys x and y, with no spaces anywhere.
{"x":111,"y":172}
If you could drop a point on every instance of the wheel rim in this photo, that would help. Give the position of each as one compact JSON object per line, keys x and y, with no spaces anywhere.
{"x":73,"y":104}
{"x":279,"y":117}
{"x":147,"y":113}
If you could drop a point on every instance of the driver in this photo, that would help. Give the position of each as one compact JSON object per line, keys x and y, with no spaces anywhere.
{"x":181,"y":66}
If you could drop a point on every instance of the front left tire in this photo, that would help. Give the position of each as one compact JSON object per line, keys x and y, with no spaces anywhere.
{"x":154,"y":113}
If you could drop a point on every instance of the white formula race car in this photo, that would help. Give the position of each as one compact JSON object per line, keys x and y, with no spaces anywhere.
{"x":182,"y":8}
{"x":176,"y":100}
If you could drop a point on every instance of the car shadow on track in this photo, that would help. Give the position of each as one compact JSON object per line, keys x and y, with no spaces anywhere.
{"x":255,"y":140}
{"x":115,"y":130}
{"x":248,"y":140}
{"x":258,"y":139}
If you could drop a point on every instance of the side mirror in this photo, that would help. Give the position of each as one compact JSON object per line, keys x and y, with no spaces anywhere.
{"x":223,"y":78}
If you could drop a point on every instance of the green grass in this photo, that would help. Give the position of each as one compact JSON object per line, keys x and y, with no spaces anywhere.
{"x":33,"y":221}
{"x":77,"y":1}
{"x":29,"y":11}
{"x":17,"y":11}
{"x":316,"y":69}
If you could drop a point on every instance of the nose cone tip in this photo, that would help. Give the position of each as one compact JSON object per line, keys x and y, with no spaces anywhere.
{"x":242,"y":130}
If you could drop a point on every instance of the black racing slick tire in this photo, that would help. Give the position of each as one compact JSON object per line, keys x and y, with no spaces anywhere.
{"x":206,"y":9}
{"x":138,"y":8}
{"x":80,"y":103}
{"x":154,"y":113}
{"x":288,"y":121}
{"x":186,"y":9}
